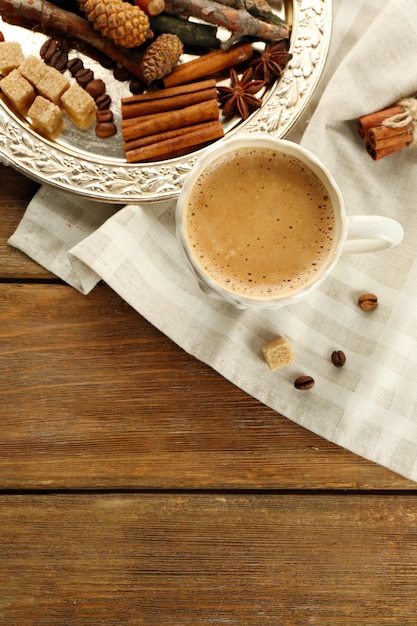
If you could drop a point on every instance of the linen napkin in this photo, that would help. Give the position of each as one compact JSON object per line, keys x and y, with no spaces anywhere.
{"x":370,"y":405}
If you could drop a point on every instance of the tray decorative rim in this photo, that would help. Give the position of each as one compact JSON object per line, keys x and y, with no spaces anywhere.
{"x":99,"y":178}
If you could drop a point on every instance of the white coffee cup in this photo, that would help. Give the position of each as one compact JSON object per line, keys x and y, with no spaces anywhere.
{"x":304,"y":172}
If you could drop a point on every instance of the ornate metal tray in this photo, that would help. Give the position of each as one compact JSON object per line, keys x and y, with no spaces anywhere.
{"x":95,"y":168}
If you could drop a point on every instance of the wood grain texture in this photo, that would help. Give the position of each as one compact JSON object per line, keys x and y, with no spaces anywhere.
{"x":203,"y":559}
{"x":16,"y":192}
{"x":92,"y":395}
{"x":140,"y":488}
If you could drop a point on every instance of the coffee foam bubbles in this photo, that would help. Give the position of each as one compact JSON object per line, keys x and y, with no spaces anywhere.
{"x":260,"y":223}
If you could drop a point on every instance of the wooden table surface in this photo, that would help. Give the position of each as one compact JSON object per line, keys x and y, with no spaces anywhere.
{"x":139,"y":487}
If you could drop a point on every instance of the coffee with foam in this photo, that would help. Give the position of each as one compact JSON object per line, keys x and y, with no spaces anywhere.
{"x":260,"y":222}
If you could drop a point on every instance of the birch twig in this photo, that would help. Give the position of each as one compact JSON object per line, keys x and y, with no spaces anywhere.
{"x":239,"y":21}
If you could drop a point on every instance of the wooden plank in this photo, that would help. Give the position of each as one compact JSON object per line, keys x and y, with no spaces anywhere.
{"x":197,"y":560}
{"x":16,"y":192}
{"x":92,"y":395}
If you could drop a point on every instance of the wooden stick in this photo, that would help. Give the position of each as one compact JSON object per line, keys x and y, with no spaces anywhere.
{"x":209,"y":64}
{"x":178,"y":144}
{"x":238,"y":21}
{"x":45,"y":16}
{"x":168,"y":120}
{"x":257,"y":8}
{"x":193,"y":34}
{"x":69,"y":5}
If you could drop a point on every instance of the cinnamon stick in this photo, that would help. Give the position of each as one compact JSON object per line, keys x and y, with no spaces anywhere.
{"x":150,"y":106}
{"x":383,"y":136}
{"x":381,"y":152}
{"x":168,"y":120}
{"x":374,"y":119}
{"x":178,"y":144}
{"x":46,"y":17}
{"x":170,"y":91}
{"x":140,"y":142}
{"x":209,"y":64}
{"x":133,"y":121}
{"x":151,"y":7}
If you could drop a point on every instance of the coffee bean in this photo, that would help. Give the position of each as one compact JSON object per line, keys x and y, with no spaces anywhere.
{"x":59,"y":60}
{"x":75,"y":65}
{"x":84,"y":76}
{"x":136,"y":86}
{"x":106,"y":129}
{"x":105,"y":61}
{"x":104,"y":115}
{"x":95,"y":88}
{"x":1,"y":36}
{"x":121,"y":73}
{"x":65,"y":43}
{"x":48,"y":49}
{"x":304,"y":383}
{"x":368,"y":301}
{"x":103,"y":101}
{"x":338,"y":358}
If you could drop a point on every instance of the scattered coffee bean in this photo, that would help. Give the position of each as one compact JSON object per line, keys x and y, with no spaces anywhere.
{"x":103,"y":101}
{"x":104,"y":60}
{"x":95,"y":88}
{"x":338,"y":358}
{"x":48,"y":49}
{"x":121,"y":73}
{"x":84,"y":76}
{"x":59,"y":60}
{"x":65,"y":43}
{"x":104,"y":130}
{"x":368,"y":301}
{"x":1,"y":36}
{"x":75,"y":65}
{"x":136,"y":86}
{"x":304,"y":383}
{"x":104,"y":115}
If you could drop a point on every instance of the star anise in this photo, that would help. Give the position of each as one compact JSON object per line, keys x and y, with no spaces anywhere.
{"x":240,"y":97}
{"x":269,"y":63}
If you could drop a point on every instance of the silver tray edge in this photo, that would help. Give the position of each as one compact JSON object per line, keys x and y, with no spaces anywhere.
{"x":97,"y":178}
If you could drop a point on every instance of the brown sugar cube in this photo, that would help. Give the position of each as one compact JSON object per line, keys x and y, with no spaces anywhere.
{"x":11,"y":56}
{"x":45,"y":116}
{"x":52,"y":85}
{"x":79,"y":105}
{"x":17,"y":90}
{"x":33,"y":69}
{"x":278,"y":353}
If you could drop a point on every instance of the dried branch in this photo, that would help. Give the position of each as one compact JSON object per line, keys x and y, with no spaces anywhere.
{"x":239,"y":21}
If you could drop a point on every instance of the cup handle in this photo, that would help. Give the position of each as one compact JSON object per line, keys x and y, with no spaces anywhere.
{"x":371,"y":233}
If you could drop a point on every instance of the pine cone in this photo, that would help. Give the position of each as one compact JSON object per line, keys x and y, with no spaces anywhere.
{"x":125,"y":24}
{"x":161,"y":57}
